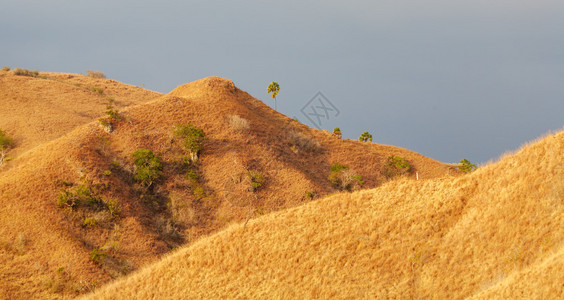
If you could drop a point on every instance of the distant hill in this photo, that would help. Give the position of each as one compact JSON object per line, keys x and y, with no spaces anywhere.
{"x":493,"y":234}
{"x":72,"y":215}
{"x":39,"y":109}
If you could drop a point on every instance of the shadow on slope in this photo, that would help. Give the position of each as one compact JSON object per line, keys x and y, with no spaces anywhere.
{"x":65,"y":251}
{"x":489,"y":233}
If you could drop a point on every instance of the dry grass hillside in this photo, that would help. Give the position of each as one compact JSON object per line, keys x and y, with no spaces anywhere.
{"x":35,"y":110}
{"x":494,"y":233}
{"x":73,"y":216}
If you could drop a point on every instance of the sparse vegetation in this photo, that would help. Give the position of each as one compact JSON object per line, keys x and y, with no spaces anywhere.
{"x":343,"y":178}
{"x":96,"y":90}
{"x":273,"y":88}
{"x":365,"y":137}
{"x":193,"y":139}
{"x":25,"y":72}
{"x":112,"y":116}
{"x":466,"y":166}
{"x":6,"y":143}
{"x":81,"y":195}
{"x":396,"y":166}
{"x":97,"y":254}
{"x":304,"y":142}
{"x":95,"y":74}
{"x":256,"y":180}
{"x":337,"y":132}
{"x":309,"y":195}
{"x":148,"y":167}
{"x":6,"y":69}
{"x":238,"y":123}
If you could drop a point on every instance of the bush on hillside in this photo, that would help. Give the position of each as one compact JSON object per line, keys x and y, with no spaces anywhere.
{"x":95,"y":74}
{"x":337,"y":132}
{"x":343,"y":178}
{"x":238,"y":123}
{"x":96,"y":89}
{"x":396,"y":166}
{"x":6,"y":69}
{"x":466,"y":166}
{"x":81,"y":195}
{"x":256,"y":180}
{"x":365,"y":137}
{"x":6,"y":143}
{"x":148,"y":167}
{"x":25,"y":72}
{"x":304,"y":142}
{"x":108,"y":122}
{"x":193,"y":139}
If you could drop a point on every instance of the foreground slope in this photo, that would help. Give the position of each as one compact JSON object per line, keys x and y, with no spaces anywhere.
{"x":494,"y":233}
{"x":51,"y":251}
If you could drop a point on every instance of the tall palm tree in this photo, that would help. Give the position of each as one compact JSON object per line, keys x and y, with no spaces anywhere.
{"x":273,"y":88}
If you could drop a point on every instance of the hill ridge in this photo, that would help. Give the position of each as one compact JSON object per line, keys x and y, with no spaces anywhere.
{"x":398,"y":240}
{"x":176,"y":210}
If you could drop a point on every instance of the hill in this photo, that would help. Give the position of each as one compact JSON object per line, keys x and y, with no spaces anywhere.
{"x":494,"y":233}
{"x":74,"y":215}
{"x":35,"y":110}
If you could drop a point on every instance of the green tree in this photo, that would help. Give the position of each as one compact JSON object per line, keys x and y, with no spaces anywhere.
{"x":149,"y":167}
{"x":396,"y":165}
{"x":273,"y":88}
{"x":193,"y":139}
{"x":365,"y":137}
{"x":337,"y":132}
{"x":466,"y":166}
{"x":343,"y":178}
{"x":6,"y":143}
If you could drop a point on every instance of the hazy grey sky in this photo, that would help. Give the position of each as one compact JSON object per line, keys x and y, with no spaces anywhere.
{"x":448,"y":79}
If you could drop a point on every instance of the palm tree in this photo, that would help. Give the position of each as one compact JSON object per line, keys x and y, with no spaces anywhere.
{"x":273,"y":88}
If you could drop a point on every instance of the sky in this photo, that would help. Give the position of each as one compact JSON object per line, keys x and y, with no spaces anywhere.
{"x":448,"y":79}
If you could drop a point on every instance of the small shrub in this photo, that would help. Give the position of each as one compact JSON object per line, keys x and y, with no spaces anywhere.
{"x":113,"y":208}
{"x":309,"y":195}
{"x":97,"y":255}
{"x":256,"y":180}
{"x":6,"y":69}
{"x":97,"y":90}
{"x":238,"y":123}
{"x":199,"y":192}
{"x":112,"y":116}
{"x":25,"y":72}
{"x":365,"y":137}
{"x":107,"y":173}
{"x":149,"y":167}
{"x":111,"y":113}
{"x":95,"y":74}
{"x":81,"y":195}
{"x":88,"y":221}
{"x":337,"y":132}
{"x":192,"y":176}
{"x":193,"y":139}
{"x":466,"y":166}
{"x":304,"y":142}
{"x":343,"y":178}
{"x":6,"y":143}
{"x":396,"y":166}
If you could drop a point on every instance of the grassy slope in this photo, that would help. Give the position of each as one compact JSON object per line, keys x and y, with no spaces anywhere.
{"x":44,"y":250}
{"x":37,"y":110}
{"x":494,"y":233}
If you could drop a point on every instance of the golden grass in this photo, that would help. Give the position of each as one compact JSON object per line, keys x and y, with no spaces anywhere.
{"x":58,"y":138}
{"x":495,"y":233}
{"x":37,"y":110}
